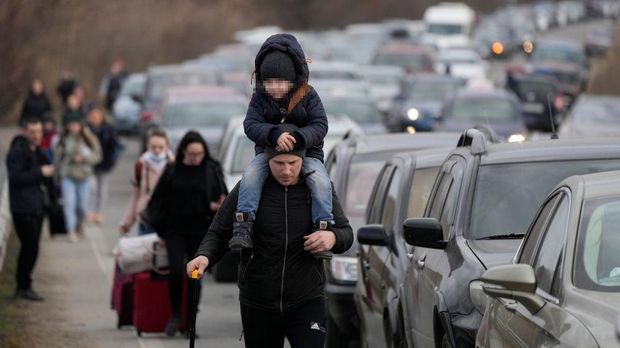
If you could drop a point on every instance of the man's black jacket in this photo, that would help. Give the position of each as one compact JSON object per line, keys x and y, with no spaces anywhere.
{"x":26,"y":182}
{"x":277,"y":273}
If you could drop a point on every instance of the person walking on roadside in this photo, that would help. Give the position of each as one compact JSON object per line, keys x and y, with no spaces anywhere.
{"x":186,"y":198}
{"x":76,"y":154}
{"x":36,"y":104}
{"x":281,"y":283}
{"x":66,"y":87}
{"x":112,"y":83}
{"x":30,"y":188}
{"x":110,"y":147}
{"x":147,"y":170}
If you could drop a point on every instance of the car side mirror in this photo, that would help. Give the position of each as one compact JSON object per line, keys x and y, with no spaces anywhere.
{"x":425,"y":233}
{"x":372,"y":235}
{"x":517,"y":282}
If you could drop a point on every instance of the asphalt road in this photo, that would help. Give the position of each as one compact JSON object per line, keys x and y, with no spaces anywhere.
{"x":77,"y":278}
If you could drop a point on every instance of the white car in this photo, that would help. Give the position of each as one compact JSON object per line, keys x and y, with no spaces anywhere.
{"x":462,"y":62}
{"x":237,"y":150}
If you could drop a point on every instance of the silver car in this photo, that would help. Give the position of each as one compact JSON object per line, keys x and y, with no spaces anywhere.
{"x":564,"y":289}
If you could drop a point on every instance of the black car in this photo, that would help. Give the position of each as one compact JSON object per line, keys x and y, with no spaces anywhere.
{"x":542,"y":102}
{"x":401,"y":190}
{"x":481,"y":204}
{"x":353,"y":166}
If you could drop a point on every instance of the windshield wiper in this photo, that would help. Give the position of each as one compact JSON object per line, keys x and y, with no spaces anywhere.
{"x":504,"y":236}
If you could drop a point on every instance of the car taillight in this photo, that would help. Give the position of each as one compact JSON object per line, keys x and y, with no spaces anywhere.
{"x":559,"y":103}
{"x":146,"y":116}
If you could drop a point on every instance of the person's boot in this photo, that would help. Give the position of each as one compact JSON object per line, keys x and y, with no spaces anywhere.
{"x":28,"y":294}
{"x":322,"y":226}
{"x":173,"y":325}
{"x":242,"y":232}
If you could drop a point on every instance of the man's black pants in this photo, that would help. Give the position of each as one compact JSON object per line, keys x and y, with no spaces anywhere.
{"x":303,"y":325}
{"x":28,"y":229}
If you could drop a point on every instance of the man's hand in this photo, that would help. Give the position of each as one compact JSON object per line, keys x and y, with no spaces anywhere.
{"x":319,"y":241}
{"x":47,"y":170}
{"x":286,"y":142}
{"x":200,"y":263}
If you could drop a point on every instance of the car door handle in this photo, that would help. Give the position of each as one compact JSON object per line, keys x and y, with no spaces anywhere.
{"x":421,"y":263}
{"x":410,"y":256}
{"x":366,"y":265}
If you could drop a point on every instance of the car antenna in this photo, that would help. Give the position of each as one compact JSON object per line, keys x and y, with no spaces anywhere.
{"x":554,"y":134}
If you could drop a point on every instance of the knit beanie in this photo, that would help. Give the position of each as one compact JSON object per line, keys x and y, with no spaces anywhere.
{"x":271,"y":152}
{"x":277,"y":65}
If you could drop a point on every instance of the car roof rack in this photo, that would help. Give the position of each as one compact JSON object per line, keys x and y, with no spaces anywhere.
{"x":474,"y":139}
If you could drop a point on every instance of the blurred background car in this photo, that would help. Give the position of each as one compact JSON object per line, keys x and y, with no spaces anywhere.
{"x":359,"y":108}
{"x":593,"y":116}
{"x":498,"y":109}
{"x":420,"y":101}
{"x":599,"y":40}
{"x":411,"y":57}
{"x":463,"y":62}
{"x":384,"y":82}
{"x":126,"y":108}
{"x":205,"y":109}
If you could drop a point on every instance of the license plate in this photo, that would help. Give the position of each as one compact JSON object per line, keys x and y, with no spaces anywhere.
{"x":535,"y":108}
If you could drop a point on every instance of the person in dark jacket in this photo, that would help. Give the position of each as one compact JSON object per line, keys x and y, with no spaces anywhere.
{"x":36,"y":104}
{"x":283,"y":96}
{"x":109,"y":142}
{"x":66,"y":87}
{"x":30,"y":187}
{"x":112,"y":83}
{"x":281,"y":285}
{"x":187,"y":195}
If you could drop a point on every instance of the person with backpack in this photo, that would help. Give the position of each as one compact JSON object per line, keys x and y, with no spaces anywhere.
{"x":283,"y":96}
{"x":281,"y":283}
{"x":111,"y":149}
{"x":76,"y":154}
{"x":187,"y":196}
{"x":147,"y":171}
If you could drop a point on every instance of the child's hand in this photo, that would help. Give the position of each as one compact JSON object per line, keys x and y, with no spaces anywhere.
{"x":286,"y":142}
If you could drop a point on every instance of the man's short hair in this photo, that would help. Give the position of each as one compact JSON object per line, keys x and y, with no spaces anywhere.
{"x":28,"y":120}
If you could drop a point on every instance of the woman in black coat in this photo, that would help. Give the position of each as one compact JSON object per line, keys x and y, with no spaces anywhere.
{"x":36,"y":104}
{"x":184,"y":202}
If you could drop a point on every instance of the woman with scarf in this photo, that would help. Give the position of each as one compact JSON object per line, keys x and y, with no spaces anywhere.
{"x":147,"y":170}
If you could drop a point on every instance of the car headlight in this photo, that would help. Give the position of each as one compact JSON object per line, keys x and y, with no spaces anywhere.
{"x":413,"y":114}
{"x":516,"y":138}
{"x":344,"y":268}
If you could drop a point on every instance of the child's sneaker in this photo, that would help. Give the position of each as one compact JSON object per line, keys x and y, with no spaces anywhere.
{"x":323,"y":255}
{"x":242,"y":232}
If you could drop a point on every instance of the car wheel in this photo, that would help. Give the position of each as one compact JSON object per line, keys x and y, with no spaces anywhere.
{"x":335,"y":337}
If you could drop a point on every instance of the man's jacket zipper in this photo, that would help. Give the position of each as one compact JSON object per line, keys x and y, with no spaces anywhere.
{"x":285,"y":247}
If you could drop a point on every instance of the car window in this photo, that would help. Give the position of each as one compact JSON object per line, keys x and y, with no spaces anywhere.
{"x":548,"y":258}
{"x":363,"y":172}
{"x":597,"y":264}
{"x":533,"y":237}
{"x":451,"y":201}
{"x":440,"y":195}
{"x":423,"y":180}
{"x":377,"y":200}
{"x":389,"y":208}
{"x":243,"y":154}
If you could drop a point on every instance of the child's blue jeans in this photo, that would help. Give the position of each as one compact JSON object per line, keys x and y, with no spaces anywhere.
{"x":318,"y":182}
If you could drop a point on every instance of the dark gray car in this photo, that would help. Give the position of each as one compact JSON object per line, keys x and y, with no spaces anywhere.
{"x":564,"y":289}
{"x":353,"y":166}
{"x":480,"y":207}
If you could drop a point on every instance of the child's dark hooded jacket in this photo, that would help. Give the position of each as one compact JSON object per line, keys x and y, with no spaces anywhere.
{"x":305,"y":108}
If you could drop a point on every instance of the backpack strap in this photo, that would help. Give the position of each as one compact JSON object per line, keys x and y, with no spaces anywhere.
{"x":299,"y":94}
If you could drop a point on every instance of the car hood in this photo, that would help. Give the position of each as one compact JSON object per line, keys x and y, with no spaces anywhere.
{"x":584,"y":129}
{"x":494,"y":252}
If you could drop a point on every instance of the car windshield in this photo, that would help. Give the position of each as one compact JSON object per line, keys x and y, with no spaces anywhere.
{"x":359,"y":110}
{"x":524,"y":88}
{"x":200,"y":114}
{"x":458,"y":57}
{"x":558,"y":54}
{"x":597,"y":265}
{"x":133,"y":87}
{"x":483,"y":109}
{"x":445,"y":29}
{"x":598,"y":111}
{"x":158,"y":85}
{"x":363,"y":172}
{"x":410,"y":62}
{"x":431,"y":90}
{"x":507,"y":195}
{"x":243,"y":154}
